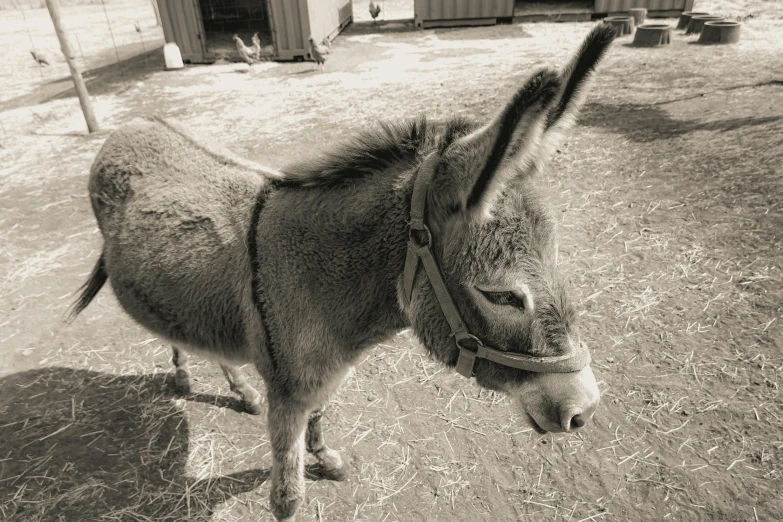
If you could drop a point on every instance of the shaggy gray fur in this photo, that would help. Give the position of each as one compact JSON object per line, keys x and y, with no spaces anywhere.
{"x":299,"y":272}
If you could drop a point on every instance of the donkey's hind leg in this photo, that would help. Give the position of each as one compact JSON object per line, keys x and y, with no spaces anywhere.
{"x":251,"y":399}
{"x":330,"y":463}
{"x":182,"y":375}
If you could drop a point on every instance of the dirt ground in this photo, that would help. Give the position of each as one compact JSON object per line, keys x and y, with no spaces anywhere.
{"x":670,"y":194}
{"x":103,"y":41}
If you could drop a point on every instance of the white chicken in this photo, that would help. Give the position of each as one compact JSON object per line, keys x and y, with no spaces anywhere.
{"x":256,"y":47}
{"x":319,"y":53}
{"x":246,"y":53}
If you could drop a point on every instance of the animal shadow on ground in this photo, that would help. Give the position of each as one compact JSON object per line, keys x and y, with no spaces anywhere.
{"x":648,"y":123}
{"x":83,"y":445}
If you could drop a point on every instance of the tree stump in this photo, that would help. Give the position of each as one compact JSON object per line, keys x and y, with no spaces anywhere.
{"x":696,"y":23}
{"x":652,"y":35}
{"x":639,"y":14}
{"x":686,"y":17}
{"x":622,"y":24}
{"x":720,"y":33}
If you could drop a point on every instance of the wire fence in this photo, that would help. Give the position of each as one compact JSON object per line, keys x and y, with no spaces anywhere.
{"x":108,"y":36}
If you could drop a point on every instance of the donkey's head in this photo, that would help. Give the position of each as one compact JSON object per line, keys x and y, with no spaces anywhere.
{"x":494,"y":240}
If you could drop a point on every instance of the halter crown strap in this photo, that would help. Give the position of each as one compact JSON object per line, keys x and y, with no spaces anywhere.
{"x":421,"y":187}
{"x":470,"y":347}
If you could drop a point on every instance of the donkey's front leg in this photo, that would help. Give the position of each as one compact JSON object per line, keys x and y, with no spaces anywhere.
{"x":330,"y":463}
{"x":251,"y":399}
{"x":182,"y":374}
{"x":287,"y":421}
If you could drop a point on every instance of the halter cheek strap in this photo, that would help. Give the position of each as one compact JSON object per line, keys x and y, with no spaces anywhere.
{"x":470,"y":347}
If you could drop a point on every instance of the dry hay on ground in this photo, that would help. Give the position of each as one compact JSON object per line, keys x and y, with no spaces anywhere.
{"x":669,"y":195}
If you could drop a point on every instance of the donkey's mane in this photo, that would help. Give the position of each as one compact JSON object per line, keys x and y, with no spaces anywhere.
{"x":381,"y":146}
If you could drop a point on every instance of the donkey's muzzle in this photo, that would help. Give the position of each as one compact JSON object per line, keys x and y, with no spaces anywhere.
{"x":559,"y":402}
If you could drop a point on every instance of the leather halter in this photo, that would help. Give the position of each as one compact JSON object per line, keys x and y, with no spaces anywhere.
{"x":470,"y":347}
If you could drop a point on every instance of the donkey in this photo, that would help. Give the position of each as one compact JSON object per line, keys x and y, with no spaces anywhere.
{"x":437,"y":227}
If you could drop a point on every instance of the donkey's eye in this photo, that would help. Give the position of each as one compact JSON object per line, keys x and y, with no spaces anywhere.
{"x":504,"y":299}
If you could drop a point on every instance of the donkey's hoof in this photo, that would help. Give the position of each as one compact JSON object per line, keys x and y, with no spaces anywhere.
{"x":291,"y":518}
{"x":320,"y":472}
{"x":340,"y":474}
{"x":253,"y":408}
{"x":285,"y":510}
{"x":182,"y":381}
{"x":330,"y":466}
{"x":182,"y":387}
{"x":286,"y":494}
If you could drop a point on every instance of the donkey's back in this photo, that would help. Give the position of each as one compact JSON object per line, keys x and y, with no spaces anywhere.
{"x":175,"y":216}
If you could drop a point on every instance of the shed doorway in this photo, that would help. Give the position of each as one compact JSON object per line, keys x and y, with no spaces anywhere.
{"x":222,"y":19}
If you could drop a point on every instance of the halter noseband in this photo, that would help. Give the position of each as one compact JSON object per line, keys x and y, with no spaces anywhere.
{"x":470,"y":347}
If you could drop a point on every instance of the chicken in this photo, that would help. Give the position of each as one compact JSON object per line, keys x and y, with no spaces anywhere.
{"x":318,"y":52}
{"x":328,"y":44}
{"x":256,"y":47}
{"x":246,"y":53}
{"x":137,"y":26}
{"x":41,"y":58}
{"x":375,"y":10}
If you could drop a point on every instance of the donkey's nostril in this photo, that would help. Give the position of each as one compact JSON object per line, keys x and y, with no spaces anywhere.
{"x":573,"y":419}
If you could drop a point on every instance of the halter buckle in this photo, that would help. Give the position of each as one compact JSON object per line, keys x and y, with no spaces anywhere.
{"x":467,"y":341}
{"x":469,"y":346}
{"x":417,"y":232}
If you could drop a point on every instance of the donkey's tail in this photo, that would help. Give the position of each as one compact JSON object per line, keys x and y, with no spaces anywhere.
{"x":90,"y":288}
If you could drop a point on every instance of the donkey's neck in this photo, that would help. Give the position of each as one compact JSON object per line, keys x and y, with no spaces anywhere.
{"x":344,"y":248}
{"x":353,"y":207}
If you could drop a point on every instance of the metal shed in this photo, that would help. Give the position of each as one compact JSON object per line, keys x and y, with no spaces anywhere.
{"x":293,"y":21}
{"x":652,"y":6}
{"x":203,"y":29}
{"x":445,"y":13}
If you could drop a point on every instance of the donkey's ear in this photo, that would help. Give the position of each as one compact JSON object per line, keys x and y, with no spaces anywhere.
{"x":475,"y":168}
{"x":576,"y":77}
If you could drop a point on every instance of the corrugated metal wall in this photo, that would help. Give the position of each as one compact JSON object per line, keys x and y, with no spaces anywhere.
{"x":294,"y":21}
{"x":345,"y":10}
{"x":430,"y":13}
{"x":288,"y":18}
{"x":617,"y":6}
{"x":323,"y":18}
{"x":181,"y":20}
{"x":327,"y":17}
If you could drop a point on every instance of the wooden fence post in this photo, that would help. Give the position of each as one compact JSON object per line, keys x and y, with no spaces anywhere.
{"x":70,"y":58}
{"x":157,"y":13}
